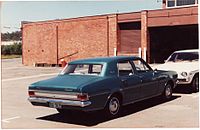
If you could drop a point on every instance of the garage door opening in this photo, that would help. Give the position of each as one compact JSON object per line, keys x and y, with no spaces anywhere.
{"x":165,"y":40}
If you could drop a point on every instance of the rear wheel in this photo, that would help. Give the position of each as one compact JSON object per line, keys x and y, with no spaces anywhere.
{"x":195,"y":83}
{"x":167,"y":94}
{"x":113,"y":106}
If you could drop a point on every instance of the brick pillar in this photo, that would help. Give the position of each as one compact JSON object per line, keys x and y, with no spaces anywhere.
{"x":144,"y":32}
{"x":112,"y":34}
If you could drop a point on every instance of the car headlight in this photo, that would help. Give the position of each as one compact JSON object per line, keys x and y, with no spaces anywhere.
{"x":184,"y":74}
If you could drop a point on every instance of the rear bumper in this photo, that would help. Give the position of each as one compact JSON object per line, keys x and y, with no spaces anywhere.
{"x":46,"y":101}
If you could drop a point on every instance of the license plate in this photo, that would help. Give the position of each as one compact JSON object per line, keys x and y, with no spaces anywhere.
{"x":55,"y":105}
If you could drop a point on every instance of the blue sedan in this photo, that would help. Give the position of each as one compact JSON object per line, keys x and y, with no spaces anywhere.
{"x":105,"y":83}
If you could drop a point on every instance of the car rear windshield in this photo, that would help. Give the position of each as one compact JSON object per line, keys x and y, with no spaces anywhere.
{"x":184,"y":56}
{"x":82,"y":69}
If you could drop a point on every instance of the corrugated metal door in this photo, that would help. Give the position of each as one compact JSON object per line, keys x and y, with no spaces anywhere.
{"x":130,"y":37}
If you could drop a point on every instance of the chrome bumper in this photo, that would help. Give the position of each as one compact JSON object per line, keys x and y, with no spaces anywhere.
{"x":183,"y":81}
{"x":60,"y":101}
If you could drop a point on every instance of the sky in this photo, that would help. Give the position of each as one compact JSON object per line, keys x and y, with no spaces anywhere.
{"x":13,"y":12}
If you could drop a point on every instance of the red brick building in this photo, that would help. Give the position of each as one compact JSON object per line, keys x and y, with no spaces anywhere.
{"x":157,"y":32}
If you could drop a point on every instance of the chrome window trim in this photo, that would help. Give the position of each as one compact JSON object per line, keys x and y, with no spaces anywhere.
{"x":129,"y":61}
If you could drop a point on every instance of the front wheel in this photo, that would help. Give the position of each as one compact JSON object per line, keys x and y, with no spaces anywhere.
{"x":113,"y":107}
{"x":167,"y":94}
{"x":195,"y":83}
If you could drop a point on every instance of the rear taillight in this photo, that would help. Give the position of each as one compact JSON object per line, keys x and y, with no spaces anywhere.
{"x":82,"y":97}
{"x":31,"y":93}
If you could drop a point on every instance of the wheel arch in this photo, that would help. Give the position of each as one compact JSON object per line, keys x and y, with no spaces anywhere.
{"x":195,"y":87}
{"x":170,"y":82}
{"x":197,"y":73}
{"x":117,"y":94}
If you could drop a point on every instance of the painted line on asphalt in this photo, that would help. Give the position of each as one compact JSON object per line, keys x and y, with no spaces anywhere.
{"x":28,"y":77}
{"x":193,"y":95}
{"x":8,"y":119}
{"x":12,"y":68}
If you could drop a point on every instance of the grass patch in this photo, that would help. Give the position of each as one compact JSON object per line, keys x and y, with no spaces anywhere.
{"x":10,"y":56}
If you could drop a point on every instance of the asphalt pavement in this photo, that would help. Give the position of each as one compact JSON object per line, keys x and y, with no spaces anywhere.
{"x":182,"y":111}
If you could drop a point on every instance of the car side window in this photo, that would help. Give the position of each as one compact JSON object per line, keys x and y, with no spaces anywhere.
{"x":140,"y":66}
{"x":124,"y":68}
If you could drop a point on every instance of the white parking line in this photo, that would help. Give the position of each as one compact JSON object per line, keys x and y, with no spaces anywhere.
{"x":12,"y":68}
{"x":28,"y":77}
{"x":8,"y":119}
{"x":193,"y":95}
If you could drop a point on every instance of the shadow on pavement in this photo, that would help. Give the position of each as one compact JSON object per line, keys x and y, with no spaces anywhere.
{"x":94,"y":118}
{"x":183,"y":89}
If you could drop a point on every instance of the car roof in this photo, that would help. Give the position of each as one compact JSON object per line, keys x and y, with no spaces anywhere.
{"x":190,"y":50}
{"x":102,"y":60}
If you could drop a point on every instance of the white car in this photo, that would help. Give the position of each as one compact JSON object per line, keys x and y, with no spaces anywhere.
{"x":186,"y":64}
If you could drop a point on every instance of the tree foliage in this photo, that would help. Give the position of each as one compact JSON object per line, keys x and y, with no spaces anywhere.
{"x":15,"y":49}
{"x":13,"y":36}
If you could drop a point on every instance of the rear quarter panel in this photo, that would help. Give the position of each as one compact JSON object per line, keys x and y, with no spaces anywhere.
{"x":100,"y":90}
{"x":165,"y":77}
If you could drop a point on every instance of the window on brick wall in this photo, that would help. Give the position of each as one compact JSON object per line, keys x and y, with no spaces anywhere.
{"x":170,"y":3}
{"x":185,"y":2}
{"x":177,"y":3}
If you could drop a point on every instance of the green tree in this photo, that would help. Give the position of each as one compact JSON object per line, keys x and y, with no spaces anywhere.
{"x":15,"y":49}
{"x":13,"y":36}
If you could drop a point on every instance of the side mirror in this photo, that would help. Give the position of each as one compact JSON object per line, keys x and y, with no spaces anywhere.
{"x":130,"y":74}
{"x":154,"y":71}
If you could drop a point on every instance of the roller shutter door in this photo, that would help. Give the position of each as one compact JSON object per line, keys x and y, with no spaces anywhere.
{"x":130,"y":37}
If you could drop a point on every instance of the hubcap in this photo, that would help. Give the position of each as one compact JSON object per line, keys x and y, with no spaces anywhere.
{"x":168,"y":91}
{"x":114,"y":106}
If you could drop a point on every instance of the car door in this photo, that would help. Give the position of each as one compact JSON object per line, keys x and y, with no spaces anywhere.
{"x":131,"y":83}
{"x":149,"y":78}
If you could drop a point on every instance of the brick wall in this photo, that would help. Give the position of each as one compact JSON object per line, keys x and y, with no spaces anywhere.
{"x":39,"y":44}
{"x":94,"y":36}
{"x":87,"y":37}
{"x":47,"y":42}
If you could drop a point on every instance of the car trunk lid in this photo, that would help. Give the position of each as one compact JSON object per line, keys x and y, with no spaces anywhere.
{"x":65,"y":83}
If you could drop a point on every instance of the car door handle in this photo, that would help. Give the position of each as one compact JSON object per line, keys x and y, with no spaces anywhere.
{"x":140,"y":77}
{"x":124,"y":80}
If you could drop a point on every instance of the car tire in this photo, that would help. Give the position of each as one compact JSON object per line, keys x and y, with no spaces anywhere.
{"x":195,"y":83}
{"x":167,"y":93}
{"x":113,"y":107}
